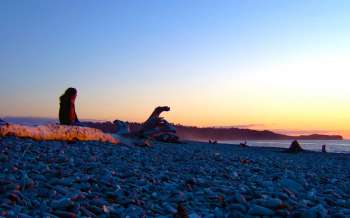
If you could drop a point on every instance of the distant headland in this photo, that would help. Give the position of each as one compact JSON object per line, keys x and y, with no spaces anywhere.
{"x":196,"y":133}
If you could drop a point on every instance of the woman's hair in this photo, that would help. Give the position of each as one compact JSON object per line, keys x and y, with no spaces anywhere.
{"x":68,"y":94}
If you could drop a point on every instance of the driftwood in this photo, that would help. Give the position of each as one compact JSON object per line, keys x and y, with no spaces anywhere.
{"x":158,"y":128}
{"x":243,"y":144}
{"x":213,"y":142}
{"x":56,"y":132}
{"x":154,"y":128}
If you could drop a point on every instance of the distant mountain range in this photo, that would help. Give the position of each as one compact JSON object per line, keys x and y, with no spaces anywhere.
{"x":196,"y":133}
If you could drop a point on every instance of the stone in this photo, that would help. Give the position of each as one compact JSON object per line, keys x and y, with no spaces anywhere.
{"x":259,"y":211}
{"x":194,"y":215}
{"x":291,"y":185}
{"x":23,"y":215}
{"x":312,"y":194}
{"x":134,"y":211}
{"x":295,"y":147}
{"x":3,"y":158}
{"x":315,"y":212}
{"x":169,"y":208}
{"x":338,"y":215}
{"x":237,"y":207}
{"x":218,"y":212}
{"x":65,"y":214}
{"x":62,"y":203}
{"x":239,"y":198}
{"x":272,"y":203}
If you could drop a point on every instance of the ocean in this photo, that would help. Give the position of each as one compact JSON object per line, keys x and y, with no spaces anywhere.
{"x":334,"y":146}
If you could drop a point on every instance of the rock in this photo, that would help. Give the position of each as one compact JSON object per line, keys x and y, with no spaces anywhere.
{"x":341,"y":202}
{"x":15,"y":197}
{"x":134,"y":211}
{"x":315,"y":212}
{"x":312,"y":194}
{"x":62,"y":203}
{"x":272,"y":203}
{"x":26,"y":181}
{"x":169,"y":208}
{"x":237,"y":207}
{"x":49,"y":215}
{"x":259,"y":211}
{"x":282,"y":213}
{"x":3,"y":158}
{"x":23,"y":215}
{"x":181,"y":211}
{"x":291,"y":185}
{"x":295,"y":147}
{"x":65,"y":214}
{"x":86,"y":212}
{"x":338,"y":215}
{"x":218,"y":212}
{"x":239,"y":198}
{"x":98,"y":210}
{"x":194,"y":215}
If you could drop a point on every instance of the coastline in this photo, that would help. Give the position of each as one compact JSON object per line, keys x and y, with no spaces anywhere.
{"x":99,"y":179}
{"x":332,"y":146}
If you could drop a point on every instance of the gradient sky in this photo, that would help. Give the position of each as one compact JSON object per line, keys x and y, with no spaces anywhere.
{"x":278,"y":64}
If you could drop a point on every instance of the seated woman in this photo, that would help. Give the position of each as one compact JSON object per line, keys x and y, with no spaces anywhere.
{"x":67,"y":114}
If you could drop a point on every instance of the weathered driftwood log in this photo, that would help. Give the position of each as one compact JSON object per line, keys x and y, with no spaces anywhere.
{"x":158,"y":128}
{"x":56,"y":132}
{"x":154,"y":128}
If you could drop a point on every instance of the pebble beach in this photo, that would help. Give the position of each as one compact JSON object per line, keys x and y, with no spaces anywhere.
{"x":93,"y":179}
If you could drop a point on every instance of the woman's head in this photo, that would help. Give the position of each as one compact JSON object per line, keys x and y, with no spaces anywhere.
{"x":69,"y":95}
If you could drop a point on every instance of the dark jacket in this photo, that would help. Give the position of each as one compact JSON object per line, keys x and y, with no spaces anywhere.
{"x":67,"y":113}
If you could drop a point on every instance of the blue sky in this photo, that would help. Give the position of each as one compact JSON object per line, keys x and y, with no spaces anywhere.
{"x":125,"y":57}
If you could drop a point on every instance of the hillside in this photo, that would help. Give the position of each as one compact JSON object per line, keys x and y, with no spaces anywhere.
{"x":195,"y":133}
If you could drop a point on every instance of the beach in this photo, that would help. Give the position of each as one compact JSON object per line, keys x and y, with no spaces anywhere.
{"x":192,"y":179}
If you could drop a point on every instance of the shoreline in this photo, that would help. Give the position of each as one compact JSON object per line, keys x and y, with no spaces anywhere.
{"x":332,"y":146}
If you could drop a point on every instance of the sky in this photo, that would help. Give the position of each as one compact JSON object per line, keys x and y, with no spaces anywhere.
{"x":272,"y":64}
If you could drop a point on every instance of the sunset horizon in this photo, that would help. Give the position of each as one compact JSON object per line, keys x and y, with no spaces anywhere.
{"x":285,"y":66}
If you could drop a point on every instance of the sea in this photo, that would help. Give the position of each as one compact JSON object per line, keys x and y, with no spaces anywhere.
{"x":334,"y":146}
